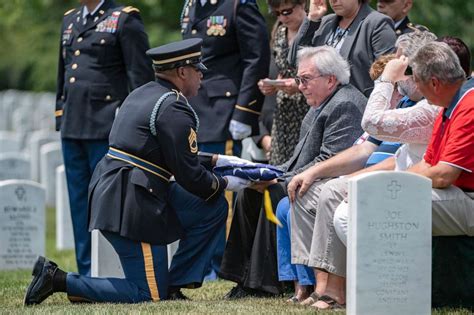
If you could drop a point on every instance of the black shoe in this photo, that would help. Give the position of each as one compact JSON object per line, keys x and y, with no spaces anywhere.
{"x":42,"y":284}
{"x":177,"y":296}
{"x":237,"y":292}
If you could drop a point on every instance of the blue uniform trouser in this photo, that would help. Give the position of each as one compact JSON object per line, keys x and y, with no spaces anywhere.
{"x":80,"y":160}
{"x":286,"y":270}
{"x":145,"y":266}
{"x":229,"y":147}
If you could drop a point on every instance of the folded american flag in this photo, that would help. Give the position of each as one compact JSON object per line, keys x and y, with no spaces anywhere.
{"x":252,"y":171}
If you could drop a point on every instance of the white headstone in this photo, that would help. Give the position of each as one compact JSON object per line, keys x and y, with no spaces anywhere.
{"x":51,"y":158}
{"x":389,"y":244}
{"x":104,"y":259}
{"x":36,"y":140}
{"x":9,"y":142}
{"x":14,"y":166}
{"x":22,"y":224}
{"x":64,"y":232}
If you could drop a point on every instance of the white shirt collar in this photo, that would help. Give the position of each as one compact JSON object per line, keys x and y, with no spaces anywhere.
{"x":85,"y":11}
{"x":397,"y":24}
{"x":203,"y":3}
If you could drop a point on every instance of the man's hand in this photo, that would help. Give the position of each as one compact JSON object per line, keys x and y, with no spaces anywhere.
{"x":235,"y":183}
{"x":290,"y":87}
{"x":239,"y":130}
{"x":260,"y":186}
{"x":317,"y":9}
{"x":265,"y":88}
{"x":302,"y":181}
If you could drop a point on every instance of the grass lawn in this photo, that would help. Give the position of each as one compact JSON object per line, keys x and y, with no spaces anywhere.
{"x":207,"y":299}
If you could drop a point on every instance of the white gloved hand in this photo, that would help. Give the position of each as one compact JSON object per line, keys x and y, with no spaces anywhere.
{"x":239,"y":130}
{"x":224,"y":160}
{"x":236,"y":184}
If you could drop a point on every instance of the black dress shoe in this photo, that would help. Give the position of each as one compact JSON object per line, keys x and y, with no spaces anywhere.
{"x":237,"y":292}
{"x":177,"y":296}
{"x":42,"y":284}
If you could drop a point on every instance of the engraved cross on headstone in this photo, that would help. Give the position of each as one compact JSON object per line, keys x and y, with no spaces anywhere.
{"x":394,"y":188}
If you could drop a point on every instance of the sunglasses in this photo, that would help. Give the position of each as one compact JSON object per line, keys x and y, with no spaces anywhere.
{"x":284,"y":12}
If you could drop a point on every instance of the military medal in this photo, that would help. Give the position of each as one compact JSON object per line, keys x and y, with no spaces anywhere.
{"x":216,"y":25}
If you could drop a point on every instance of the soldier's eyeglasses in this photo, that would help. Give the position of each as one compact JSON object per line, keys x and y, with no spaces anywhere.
{"x":305,"y":80}
{"x":284,"y":12}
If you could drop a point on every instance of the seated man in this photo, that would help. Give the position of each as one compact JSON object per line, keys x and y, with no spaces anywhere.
{"x":447,"y":162}
{"x":304,"y":190}
{"x":332,"y":124}
{"x":137,"y":206}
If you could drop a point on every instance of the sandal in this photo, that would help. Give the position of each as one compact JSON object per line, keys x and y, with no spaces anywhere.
{"x":293,"y":300}
{"x":332,"y":304}
{"x":313,"y":298}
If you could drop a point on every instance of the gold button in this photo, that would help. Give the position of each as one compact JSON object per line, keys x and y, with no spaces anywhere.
{"x":151,"y":190}
{"x":77,"y":52}
{"x":194,"y":32}
{"x":108,"y":97}
{"x":102,"y":41}
{"x":227,"y":93}
{"x":79,"y":39}
{"x":74,"y":66}
{"x":72,"y":79}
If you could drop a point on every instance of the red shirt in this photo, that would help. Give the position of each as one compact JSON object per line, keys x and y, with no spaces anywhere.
{"x":452,"y":141}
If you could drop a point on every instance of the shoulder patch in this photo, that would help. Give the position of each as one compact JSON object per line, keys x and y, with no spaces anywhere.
{"x":130,"y":9}
{"x":69,"y":12}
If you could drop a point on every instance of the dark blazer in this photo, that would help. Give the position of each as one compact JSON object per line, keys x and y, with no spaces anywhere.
{"x":237,"y":59}
{"x":99,"y":64}
{"x":370,"y":35}
{"x":328,"y":129}
{"x":133,"y":202}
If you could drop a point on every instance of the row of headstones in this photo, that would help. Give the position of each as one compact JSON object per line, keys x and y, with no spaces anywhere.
{"x":37,"y":162}
{"x":389,"y":240}
{"x":23,"y":111}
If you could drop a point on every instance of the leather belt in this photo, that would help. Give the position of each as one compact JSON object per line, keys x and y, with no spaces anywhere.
{"x":140,"y":163}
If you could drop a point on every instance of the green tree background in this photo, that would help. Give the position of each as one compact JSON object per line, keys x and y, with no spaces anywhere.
{"x":29,"y":32}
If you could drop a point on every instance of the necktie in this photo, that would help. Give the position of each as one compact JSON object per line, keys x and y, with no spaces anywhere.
{"x":88,"y":21}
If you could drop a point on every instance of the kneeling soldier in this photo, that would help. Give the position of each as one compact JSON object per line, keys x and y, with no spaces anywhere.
{"x":135,"y":202}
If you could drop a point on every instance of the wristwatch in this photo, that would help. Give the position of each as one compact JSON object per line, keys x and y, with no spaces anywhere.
{"x":383,"y":80}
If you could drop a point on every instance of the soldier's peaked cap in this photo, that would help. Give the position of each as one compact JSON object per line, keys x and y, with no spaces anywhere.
{"x":177,"y":54}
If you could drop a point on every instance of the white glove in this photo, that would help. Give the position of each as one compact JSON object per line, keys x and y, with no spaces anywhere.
{"x":235,"y":183}
{"x":239,"y":130}
{"x":224,"y":160}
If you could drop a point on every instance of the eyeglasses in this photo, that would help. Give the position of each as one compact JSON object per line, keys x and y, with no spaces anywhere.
{"x":305,"y":80}
{"x":284,"y":12}
{"x":409,"y":71}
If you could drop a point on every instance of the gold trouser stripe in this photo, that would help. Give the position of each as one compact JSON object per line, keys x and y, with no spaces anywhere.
{"x":150,"y":271}
{"x":247,"y":110}
{"x":58,"y":113}
{"x":229,"y":147}
{"x":160,"y":62}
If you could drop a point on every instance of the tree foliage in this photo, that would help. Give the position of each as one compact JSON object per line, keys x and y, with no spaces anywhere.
{"x":29,"y":32}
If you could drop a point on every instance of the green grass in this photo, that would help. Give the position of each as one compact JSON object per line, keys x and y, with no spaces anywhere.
{"x":205,"y":300}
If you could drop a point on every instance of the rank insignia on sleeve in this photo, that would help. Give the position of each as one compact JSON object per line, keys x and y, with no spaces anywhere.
{"x":192,"y":138}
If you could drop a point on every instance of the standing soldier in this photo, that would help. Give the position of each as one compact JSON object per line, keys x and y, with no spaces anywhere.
{"x":236,"y":50}
{"x":136,"y":204}
{"x":102,"y":58}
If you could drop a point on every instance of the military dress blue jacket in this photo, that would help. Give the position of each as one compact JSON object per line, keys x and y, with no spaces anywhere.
{"x":99,"y":64}
{"x":236,"y":51}
{"x":131,"y":198}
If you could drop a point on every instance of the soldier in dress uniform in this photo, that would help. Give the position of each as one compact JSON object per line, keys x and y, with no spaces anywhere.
{"x":398,"y":10}
{"x":236,"y":50}
{"x":151,"y":189}
{"x":102,"y":58}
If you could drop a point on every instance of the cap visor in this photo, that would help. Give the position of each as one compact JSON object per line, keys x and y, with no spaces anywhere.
{"x":201,"y":66}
